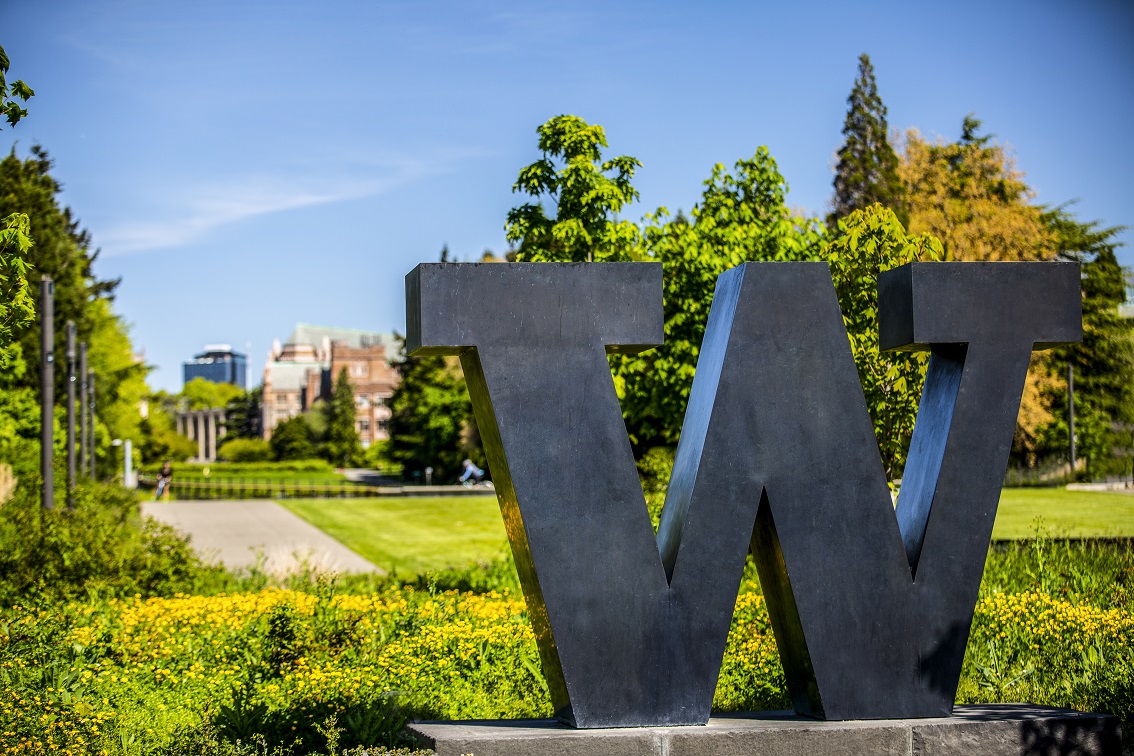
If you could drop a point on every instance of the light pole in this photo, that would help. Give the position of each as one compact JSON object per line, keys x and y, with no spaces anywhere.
{"x":70,"y":414}
{"x":128,"y":466}
{"x":117,"y":443}
{"x":91,"y":405}
{"x":47,"y":389}
{"x":83,"y":448}
{"x":1071,"y":413}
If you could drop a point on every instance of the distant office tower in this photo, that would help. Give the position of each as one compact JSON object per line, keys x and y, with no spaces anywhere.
{"x":218,"y":363}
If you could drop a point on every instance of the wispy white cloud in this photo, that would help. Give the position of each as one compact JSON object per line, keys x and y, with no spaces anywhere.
{"x":193,"y":213}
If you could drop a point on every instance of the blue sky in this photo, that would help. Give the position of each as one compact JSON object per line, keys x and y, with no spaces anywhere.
{"x":244,"y":166}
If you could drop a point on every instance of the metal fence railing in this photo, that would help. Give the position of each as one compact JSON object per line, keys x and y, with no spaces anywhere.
{"x":269,"y":488}
{"x":1049,"y":475}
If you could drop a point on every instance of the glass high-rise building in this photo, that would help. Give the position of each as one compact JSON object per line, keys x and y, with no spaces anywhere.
{"x":219,"y":364}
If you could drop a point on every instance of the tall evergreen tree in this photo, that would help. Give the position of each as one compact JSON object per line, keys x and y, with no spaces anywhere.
{"x":1104,"y":361}
{"x":867,"y":171}
{"x":243,"y":414}
{"x":343,"y":446}
{"x":431,"y":422}
{"x":62,"y":249}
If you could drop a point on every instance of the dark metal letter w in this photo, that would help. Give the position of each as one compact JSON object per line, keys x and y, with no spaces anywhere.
{"x":871,"y":611}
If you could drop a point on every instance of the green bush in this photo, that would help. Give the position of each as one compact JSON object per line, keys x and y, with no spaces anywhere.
{"x":113,"y":635}
{"x":245,"y":450}
{"x":102,"y":547}
{"x":294,"y":439}
{"x":654,"y":470}
{"x":193,"y":469}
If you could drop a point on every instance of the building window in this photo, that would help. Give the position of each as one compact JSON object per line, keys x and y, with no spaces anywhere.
{"x":364,"y":425}
{"x":358,"y":368}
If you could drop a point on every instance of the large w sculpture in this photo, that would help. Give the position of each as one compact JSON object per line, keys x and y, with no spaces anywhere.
{"x":871,"y":606}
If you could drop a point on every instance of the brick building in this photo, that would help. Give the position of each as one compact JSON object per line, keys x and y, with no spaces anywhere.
{"x":303,"y":370}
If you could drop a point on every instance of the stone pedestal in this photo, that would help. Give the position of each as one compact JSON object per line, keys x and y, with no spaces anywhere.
{"x":989,"y":730}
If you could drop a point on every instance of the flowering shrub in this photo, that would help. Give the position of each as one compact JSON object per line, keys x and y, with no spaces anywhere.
{"x":324,"y":667}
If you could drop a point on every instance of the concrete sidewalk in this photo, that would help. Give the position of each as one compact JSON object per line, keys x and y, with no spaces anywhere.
{"x":231,"y":532}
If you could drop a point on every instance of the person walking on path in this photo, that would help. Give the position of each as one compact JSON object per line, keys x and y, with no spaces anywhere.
{"x":164,"y":479}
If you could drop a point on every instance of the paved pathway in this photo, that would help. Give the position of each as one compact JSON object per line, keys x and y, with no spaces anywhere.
{"x":231,"y":532}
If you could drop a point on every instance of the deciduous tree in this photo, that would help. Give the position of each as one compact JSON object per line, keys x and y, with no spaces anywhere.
{"x":587,"y":192}
{"x":291,"y":440}
{"x":868,"y":242}
{"x":970,"y":195}
{"x":62,"y":251}
{"x":201,"y":394}
{"x":18,"y":90}
{"x":17,"y":306}
{"x":741,"y":217}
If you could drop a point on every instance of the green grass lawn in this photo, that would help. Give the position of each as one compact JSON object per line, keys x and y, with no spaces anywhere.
{"x":1079,"y":514}
{"x":417,"y":534}
{"x":413,"y":534}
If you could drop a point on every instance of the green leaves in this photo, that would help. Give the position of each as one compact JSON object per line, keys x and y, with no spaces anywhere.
{"x":870,"y":241}
{"x":742,"y":217}
{"x":431,"y":422}
{"x":867,"y":171}
{"x":588,"y":195}
{"x":343,"y":445}
{"x":17,"y":307}
{"x":11,"y":110}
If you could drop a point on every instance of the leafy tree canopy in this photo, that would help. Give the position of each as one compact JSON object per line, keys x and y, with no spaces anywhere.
{"x":292,"y":440}
{"x":970,"y":195}
{"x":587,"y":192}
{"x":868,"y":242}
{"x":742,"y":216}
{"x":201,"y":394}
{"x":17,"y":307}
{"x":62,"y":251}
{"x":17,"y":90}
{"x":1103,"y":362}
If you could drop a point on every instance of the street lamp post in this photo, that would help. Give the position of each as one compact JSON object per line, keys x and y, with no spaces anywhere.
{"x":70,"y":414}
{"x":1071,"y":413}
{"x":91,"y":426}
{"x":47,"y":389}
{"x":83,"y":448}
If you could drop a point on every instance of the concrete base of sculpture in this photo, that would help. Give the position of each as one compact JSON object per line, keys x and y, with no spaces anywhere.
{"x":988,"y":730}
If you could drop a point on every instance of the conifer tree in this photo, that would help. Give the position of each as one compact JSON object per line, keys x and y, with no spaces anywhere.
{"x":343,"y":446}
{"x":1104,"y":361}
{"x":867,"y":171}
{"x":431,"y":422}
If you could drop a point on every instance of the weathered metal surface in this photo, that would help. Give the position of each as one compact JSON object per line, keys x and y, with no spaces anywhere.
{"x":631,"y":630}
{"x":860,"y":637}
